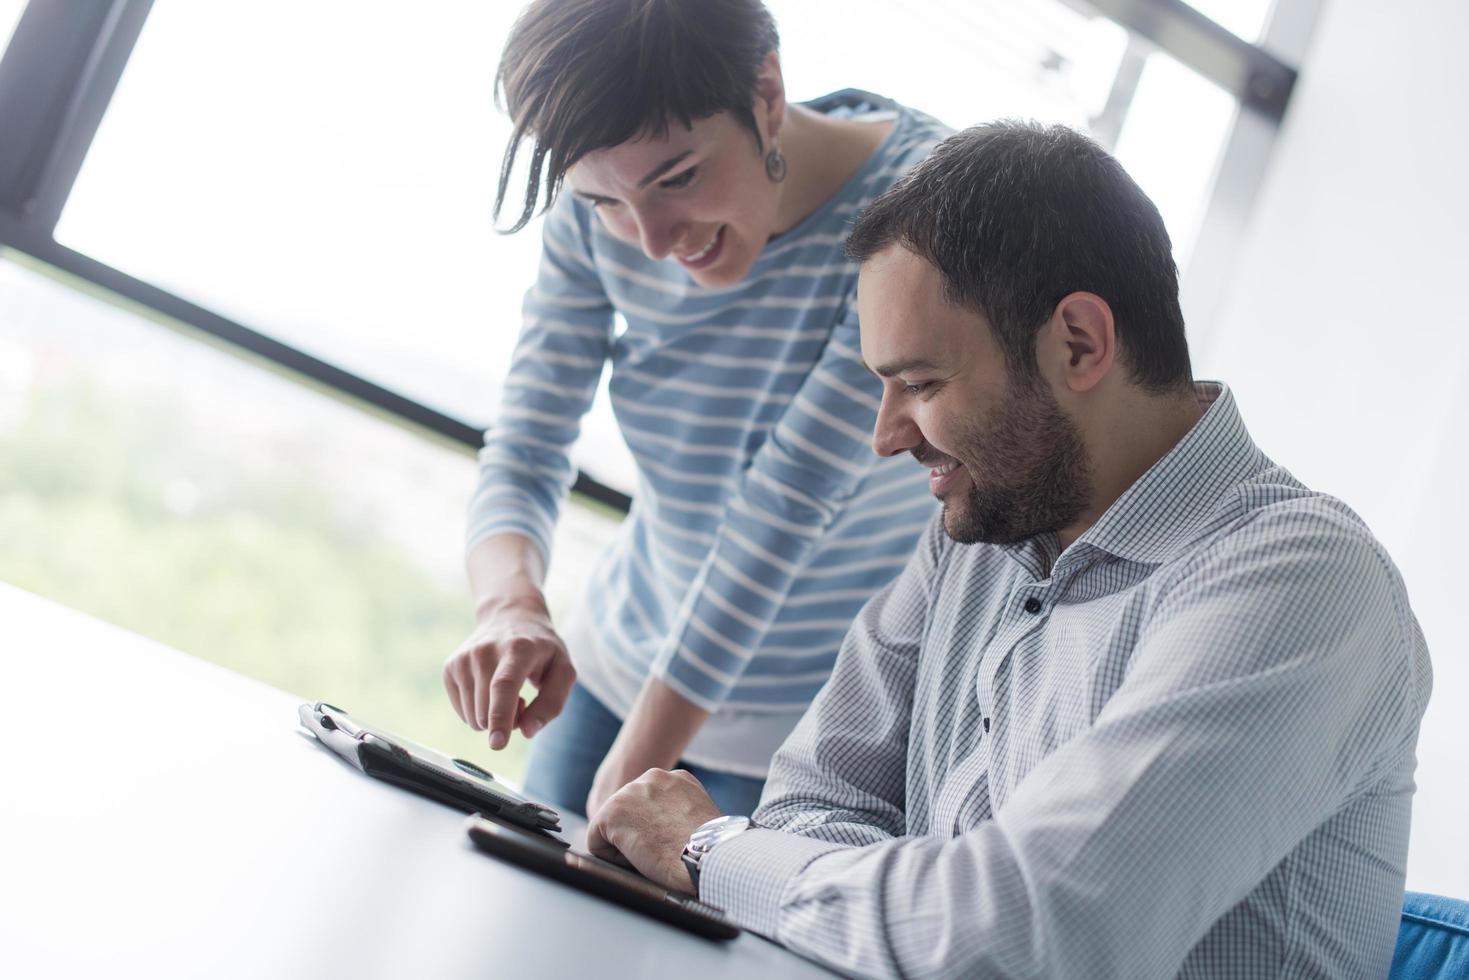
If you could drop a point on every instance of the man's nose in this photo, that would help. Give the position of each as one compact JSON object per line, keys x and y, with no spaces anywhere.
{"x":894,"y":432}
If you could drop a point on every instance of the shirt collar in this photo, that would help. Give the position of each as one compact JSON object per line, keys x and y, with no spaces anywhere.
{"x":1165,"y":507}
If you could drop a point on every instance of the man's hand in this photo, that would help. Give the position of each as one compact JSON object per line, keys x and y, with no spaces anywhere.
{"x":619,"y":768}
{"x":648,"y":821}
{"x":512,"y":643}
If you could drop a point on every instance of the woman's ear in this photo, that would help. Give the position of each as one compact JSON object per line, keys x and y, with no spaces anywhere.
{"x":1081,"y":340}
{"x":770,"y":97}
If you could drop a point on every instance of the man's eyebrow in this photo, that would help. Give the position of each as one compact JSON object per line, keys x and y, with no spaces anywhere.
{"x":900,"y":366}
{"x":663,"y":168}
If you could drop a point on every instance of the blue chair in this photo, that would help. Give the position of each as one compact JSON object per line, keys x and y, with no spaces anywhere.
{"x":1433,"y":940}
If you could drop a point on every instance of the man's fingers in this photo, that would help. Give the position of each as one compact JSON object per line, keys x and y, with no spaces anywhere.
{"x":617,"y":857}
{"x":551,"y":695}
{"x":597,"y":843}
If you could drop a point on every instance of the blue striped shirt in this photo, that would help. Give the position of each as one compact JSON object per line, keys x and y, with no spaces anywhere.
{"x":762,"y":520}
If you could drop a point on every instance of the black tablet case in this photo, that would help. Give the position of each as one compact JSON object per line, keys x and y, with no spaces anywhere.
{"x":401,"y":762}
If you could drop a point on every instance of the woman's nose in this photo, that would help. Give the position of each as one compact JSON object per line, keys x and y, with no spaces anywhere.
{"x":658,"y":232}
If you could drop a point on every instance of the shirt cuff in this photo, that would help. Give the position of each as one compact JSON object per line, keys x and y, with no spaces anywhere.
{"x":747,"y":875}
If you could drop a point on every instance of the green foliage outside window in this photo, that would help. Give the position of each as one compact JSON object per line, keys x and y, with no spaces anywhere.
{"x":128,"y":502}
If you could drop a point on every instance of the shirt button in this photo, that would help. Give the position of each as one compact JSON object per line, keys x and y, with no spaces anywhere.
{"x":1032,"y":605}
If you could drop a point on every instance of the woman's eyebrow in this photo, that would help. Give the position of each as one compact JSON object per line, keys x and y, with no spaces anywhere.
{"x":663,"y":168}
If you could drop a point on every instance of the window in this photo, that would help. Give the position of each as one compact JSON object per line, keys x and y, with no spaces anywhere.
{"x":1044,"y":60}
{"x":1244,"y":18}
{"x":323,"y":174}
{"x":236,"y":514}
{"x":991,"y":59}
{"x":1171,"y":142}
{"x":331,"y":185}
{"x":10,"y":11}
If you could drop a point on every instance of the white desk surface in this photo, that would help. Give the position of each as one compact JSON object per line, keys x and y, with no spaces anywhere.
{"x":162,"y":817}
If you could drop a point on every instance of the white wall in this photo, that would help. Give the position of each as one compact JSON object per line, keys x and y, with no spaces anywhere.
{"x":1346,"y":338}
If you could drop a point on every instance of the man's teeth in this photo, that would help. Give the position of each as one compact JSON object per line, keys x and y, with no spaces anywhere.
{"x":946,"y":469}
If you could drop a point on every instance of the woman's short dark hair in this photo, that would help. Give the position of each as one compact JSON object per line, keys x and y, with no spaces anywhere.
{"x":581,"y":75}
{"x":1015,"y":216}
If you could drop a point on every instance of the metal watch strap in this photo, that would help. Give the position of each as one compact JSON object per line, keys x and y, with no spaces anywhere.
{"x":704,"y":839}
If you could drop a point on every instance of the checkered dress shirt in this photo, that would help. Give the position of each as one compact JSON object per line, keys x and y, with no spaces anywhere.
{"x":1182,"y":747}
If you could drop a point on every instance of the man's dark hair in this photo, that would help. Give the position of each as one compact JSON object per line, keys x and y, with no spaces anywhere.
{"x":1015,"y":216}
{"x":581,"y":75}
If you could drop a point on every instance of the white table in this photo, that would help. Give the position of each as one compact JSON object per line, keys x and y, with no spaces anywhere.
{"x":162,"y":817}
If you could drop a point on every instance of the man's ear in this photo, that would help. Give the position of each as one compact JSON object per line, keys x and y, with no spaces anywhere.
{"x":770,"y":97}
{"x":1081,"y":340}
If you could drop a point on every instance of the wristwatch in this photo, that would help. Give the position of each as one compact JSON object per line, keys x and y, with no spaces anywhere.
{"x":703,"y":840}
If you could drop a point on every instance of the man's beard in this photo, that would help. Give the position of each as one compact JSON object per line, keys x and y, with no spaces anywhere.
{"x":1028,"y":471}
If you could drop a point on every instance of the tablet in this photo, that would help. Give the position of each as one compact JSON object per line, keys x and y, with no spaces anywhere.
{"x":600,"y":878}
{"x":394,"y":759}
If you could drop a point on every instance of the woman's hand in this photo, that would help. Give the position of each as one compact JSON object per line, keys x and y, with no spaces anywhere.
{"x":513,"y":642}
{"x":659,"y":727}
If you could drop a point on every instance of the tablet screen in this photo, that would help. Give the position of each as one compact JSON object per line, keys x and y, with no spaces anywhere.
{"x":600,"y":878}
{"x":611,"y":872}
{"x":534,"y":850}
{"x":424,"y":755}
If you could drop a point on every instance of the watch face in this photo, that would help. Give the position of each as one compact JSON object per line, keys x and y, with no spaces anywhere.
{"x":703,"y":839}
{"x":717,"y":829}
{"x":706,"y":837}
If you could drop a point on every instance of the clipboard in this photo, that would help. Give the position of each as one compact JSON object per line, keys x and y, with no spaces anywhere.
{"x":456,"y":782}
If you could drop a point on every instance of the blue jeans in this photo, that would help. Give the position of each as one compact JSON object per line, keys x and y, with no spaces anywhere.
{"x":564,"y":758}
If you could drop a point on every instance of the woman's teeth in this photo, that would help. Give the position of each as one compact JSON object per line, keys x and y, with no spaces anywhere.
{"x":703,"y":251}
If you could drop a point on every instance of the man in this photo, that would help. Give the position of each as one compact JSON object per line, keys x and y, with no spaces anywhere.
{"x":1141,"y":705}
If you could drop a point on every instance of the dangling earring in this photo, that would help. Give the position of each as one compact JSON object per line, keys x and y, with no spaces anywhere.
{"x":775,"y":165}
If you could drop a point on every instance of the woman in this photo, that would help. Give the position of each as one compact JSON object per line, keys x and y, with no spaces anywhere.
{"x":710,"y":213}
